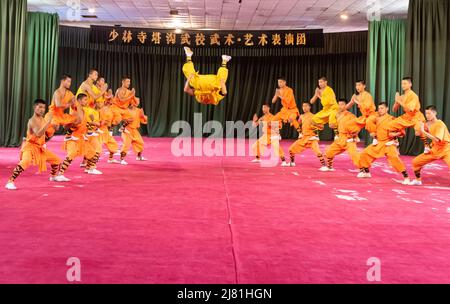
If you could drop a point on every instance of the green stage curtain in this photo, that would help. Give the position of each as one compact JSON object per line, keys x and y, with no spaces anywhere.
{"x":157,"y":76}
{"x":42,"y":57}
{"x":428,"y":56}
{"x":386,"y":57}
{"x":13,"y":16}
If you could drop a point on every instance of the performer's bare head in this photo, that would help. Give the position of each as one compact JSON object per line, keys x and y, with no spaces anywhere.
{"x":266,"y":108}
{"x":360,"y":86}
{"x":406,"y":83}
{"x":39,"y":107}
{"x":101,"y":81}
{"x":342,"y":103}
{"x":93,"y":74}
{"x":323,"y":82}
{"x":66,"y":81}
{"x":82,"y":99}
{"x":281,"y":82}
{"x":126,"y":82}
{"x":306,"y":107}
{"x":431,"y":113}
{"x":383,"y":108}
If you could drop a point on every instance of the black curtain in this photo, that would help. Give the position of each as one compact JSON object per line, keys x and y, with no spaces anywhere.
{"x":157,"y":76}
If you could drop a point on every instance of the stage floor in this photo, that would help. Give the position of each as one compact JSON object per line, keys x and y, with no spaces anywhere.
{"x":223,"y":220}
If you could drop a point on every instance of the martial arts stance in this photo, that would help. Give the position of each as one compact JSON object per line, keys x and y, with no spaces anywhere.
{"x":106,"y":134}
{"x":436,"y":130}
{"x":289,"y":112}
{"x":207,"y":89}
{"x":329,"y":108}
{"x":131,"y":136}
{"x":379,"y":128}
{"x":123,"y":99}
{"x":304,"y":141}
{"x":80,"y":147}
{"x":341,"y":142}
{"x":89,"y":89}
{"x":410,"y":104}
{"x":62,"y":99}
{"x":34,"y":151}
{"x":366,"y":106}
{"x":266,"y":139}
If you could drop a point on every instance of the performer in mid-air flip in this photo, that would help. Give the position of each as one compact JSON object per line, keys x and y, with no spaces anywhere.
{"x":207,"y":89}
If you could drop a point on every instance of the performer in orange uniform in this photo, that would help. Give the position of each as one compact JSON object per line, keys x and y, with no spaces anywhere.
{"x":289,"y":112}
{"x":436,"y":130}
{"x":379,"y":128}
{"x":33,"y":151}
{"x":123,"y":99}
{"x":412,"y":117}
{"x":366,"y":106}
{"x":131,"y":137}
{"x":265,"y":140}
{"x":341,"y":143}
{"x":80,"y":146}
{"x":304,"y":141}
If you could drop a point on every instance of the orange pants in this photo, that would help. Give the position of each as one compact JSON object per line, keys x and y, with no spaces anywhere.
{"x":371,"y":153}
{"x":119,"y":114}
{"x":38,"y":158}
{"x":406,"y":121}
{"x":79,"y":147}
{"x":436,"y":153}
{"x":302,"y":144}
{"x":261,"y":144}
{"x":354,"y":126}
{"x":108,"y":141}
{"x":341,"y":146}
{"x":96,"y":143}
{"x":132,"y":139}
{"x":288,"y":115}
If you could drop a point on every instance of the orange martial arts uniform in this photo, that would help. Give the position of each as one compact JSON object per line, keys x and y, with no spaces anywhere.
{"x":131,"y":136}
{"x":412,"y":117}
{"x":367,"y":108}
{"x":59,"y":115}
{"x":289,"y":112}
{"x":34,"y":153}
{"x":439,"y":149}
{"x":119,"y":108}
{"x":340,"y":145}
{"x":80,"y":147}
{"x":329,"y":110}
{"x":304,"y":143}
{"x":380,"y":125}
{"x":95,"y":141}
{"x":265,"y":140}
{"x":106,"y":118}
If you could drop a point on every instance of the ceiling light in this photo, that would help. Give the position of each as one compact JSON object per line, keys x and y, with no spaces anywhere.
{"x":344,"y":16}
{"x":178,"y":31}
{"x":91,"y":10}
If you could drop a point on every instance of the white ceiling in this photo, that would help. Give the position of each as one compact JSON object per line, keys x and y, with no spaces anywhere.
{"x":226,"y":14}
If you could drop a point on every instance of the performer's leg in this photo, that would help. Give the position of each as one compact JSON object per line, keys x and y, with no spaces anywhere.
{"x":366,"y":159}
{"x":126,"y":144}
{"x":419,"y":162}
{"x":352,"y":151}
{"x":394,"y":160}
{"x":25,"y":162}
{"x":315,"y":147}
{"x":296,"y":148}
{"x":138,"y":144}
{"x":333,"y":150}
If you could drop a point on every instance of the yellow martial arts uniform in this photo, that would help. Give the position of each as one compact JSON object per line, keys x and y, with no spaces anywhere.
{"x":132,"y":137}
{"x":289,"y":111}
{"x":95,"y":141}
{"x":91,"y":101}
{"x":206,"y":87}
{"x":439,"y":149}
{"x":367,"y":108}
{"x":380,"y":126}
{"x":329,"y":109}
{"x":304,"y":143}
{"x":106,"y":118}
{"x":340,"y":145}
{"x":265,"y":140}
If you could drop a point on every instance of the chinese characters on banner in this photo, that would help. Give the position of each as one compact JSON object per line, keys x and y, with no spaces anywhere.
{"x":237,"y":39}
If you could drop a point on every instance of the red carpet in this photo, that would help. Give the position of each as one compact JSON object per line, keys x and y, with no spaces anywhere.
{"x":223,"y":220}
